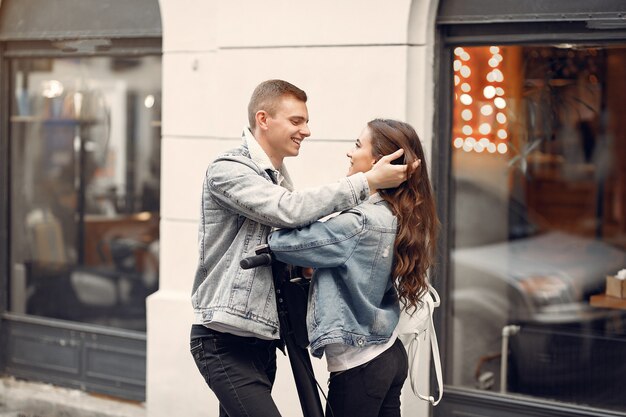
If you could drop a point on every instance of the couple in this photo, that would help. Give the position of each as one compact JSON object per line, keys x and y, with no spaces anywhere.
{"x":368,"y":259}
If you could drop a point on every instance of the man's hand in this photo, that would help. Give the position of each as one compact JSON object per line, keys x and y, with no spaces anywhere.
{"x":385,"y":175}
{"x":307,"y":272}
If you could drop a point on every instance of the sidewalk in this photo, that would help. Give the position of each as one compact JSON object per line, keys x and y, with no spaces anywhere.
{"x":33,"y":399}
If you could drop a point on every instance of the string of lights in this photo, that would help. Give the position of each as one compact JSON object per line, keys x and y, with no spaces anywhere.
{"x":480,"y":115}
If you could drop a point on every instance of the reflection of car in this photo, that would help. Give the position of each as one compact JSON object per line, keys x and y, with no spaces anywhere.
{"x":541,"y":282}
{"x":548,"y":277}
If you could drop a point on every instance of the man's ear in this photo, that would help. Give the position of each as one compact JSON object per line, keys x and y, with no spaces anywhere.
{"x":261,"y":119}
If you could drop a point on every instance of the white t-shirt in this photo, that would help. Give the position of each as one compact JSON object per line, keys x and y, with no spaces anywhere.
{"x":340,"y":357}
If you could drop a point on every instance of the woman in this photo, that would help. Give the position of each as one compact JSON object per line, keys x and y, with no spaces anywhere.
{"x":367,"y":261}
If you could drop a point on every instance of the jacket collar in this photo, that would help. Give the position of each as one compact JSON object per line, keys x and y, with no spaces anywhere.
{"x":259,"y":157}
{"x":375,"y":198}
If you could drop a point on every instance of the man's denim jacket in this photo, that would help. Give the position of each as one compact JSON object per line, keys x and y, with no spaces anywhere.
{"x":240,"y":205}
{"x":352,"y":300}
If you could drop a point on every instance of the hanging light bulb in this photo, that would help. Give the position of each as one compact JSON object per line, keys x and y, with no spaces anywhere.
{"x":486,"y":110}
{"x":484,"y":142}
{"x":466,"y":99}
{"x":489,"y":92}
{"x":497,"y":75}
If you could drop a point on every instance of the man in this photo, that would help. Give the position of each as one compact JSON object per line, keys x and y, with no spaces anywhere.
{"x":246,"y":193}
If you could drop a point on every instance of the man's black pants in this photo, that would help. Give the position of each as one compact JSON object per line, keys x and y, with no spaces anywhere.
{"x":239,"y":370}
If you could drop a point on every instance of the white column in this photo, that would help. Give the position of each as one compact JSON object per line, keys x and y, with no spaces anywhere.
{"x":354,"y":60}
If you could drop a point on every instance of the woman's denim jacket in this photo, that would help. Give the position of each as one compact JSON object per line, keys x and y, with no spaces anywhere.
{"x":240,"y":205}
{"x":352,"y":300}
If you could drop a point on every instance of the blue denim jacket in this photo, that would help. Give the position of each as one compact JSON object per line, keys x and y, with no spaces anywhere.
{"x":352,"y":300}
{"x":240,"y":205}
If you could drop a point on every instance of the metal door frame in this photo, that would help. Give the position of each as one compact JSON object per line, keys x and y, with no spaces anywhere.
{"x":465,"y":22}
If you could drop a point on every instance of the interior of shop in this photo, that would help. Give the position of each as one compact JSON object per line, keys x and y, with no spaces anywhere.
{"x":85,"y":141}
{"x":539,"y":209}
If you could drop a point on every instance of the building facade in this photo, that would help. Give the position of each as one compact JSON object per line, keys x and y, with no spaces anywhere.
{"x":518,"y":105}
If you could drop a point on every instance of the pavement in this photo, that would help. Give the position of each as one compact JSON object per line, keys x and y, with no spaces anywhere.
{"x":34,"y":399}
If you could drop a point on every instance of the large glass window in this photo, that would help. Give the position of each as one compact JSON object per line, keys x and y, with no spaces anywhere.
{"x":538,"y":221}
{"x":85,"y":167}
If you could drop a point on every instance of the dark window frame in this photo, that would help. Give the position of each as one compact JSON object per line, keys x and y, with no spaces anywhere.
{"x":449,"y":34}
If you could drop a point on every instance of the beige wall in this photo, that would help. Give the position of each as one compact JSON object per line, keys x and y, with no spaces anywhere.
{"x":355,"y":59}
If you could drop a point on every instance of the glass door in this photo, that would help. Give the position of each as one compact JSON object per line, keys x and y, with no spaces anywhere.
{"x":538,"y":221}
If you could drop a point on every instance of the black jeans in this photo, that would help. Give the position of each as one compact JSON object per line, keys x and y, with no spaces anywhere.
{"x":372,"y":389}
{"x":239,"y":370}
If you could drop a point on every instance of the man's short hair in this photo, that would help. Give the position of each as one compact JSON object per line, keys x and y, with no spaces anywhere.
{"x":267,"y":95}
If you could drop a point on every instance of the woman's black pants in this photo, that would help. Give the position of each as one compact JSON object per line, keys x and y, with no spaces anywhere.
{"x":372,"y":389}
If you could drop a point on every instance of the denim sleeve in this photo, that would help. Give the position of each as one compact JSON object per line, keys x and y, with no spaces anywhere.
{"x":236,"y":184}
{"x":321,"y":244}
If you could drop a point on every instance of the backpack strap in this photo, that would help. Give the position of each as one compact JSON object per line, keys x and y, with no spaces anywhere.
{"x":431,"y":301}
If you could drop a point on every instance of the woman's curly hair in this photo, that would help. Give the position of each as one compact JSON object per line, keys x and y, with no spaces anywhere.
{"x":414,"y":206}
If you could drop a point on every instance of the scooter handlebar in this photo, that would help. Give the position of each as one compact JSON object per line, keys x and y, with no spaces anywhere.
{"x":256,"y":260}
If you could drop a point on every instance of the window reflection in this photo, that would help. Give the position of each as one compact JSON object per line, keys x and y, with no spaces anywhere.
{"x":85,"y":143}
{"x":539,"y":221}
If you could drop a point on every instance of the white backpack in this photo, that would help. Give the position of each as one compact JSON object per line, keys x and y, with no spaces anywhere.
{"x":414,"y":331}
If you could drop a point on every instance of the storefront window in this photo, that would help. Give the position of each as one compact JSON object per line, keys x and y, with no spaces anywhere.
{"x":85,"y":167}
{"x":538,"y":221}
